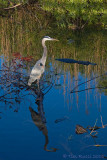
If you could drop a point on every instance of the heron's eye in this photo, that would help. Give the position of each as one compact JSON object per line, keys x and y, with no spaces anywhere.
{"x":41,"y":64}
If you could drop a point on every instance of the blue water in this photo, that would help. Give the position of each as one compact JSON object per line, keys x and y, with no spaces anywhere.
{"x":21,"y":138}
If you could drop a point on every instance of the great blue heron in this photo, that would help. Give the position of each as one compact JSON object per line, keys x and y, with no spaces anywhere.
{"x":39,"y":67}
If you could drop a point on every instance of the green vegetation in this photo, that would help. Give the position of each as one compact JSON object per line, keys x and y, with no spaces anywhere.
{"x":76,"y":14}
{"x":23,"y":31}
{"x":9,"y":3}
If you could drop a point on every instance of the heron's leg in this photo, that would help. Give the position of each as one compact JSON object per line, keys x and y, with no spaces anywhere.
{"x":38,"y":84}
{"x":39,"y":93}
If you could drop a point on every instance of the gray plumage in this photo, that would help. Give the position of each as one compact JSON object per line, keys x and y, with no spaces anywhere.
{"x":39,"y":67}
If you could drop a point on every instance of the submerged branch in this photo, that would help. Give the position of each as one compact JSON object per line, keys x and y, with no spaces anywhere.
{"x":88,"y":89}
{"x":86,"y":82}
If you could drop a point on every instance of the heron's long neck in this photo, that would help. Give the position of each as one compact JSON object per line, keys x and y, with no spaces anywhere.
{"x":44,"y":52}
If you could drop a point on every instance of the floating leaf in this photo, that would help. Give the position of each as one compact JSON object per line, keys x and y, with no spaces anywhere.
{"x":61,"y":119}
{"x":80,"y":130}
{"x":93,"y":128}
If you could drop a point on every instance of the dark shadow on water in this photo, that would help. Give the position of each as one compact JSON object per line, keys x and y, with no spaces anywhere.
{"x":66,"y":60}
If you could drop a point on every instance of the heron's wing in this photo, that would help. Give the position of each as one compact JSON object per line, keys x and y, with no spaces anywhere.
{"x":36,"y":72}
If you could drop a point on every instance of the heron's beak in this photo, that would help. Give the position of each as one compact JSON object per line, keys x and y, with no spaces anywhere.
{"x":55,"y":39}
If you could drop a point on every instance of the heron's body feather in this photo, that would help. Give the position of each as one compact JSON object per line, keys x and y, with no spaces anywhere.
{"x":36,"y":72}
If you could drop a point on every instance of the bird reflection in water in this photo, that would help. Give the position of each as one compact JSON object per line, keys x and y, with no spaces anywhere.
{"x":40,"y":120}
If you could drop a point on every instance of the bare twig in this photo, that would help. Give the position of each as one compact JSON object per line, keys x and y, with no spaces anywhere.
{"x":84,"y":25}
{"x":103,"y":126}
{"x":88,"y":81}
{"x":88,"y":89}
{"x":94,"y":127}
{"x":17,"y":5}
